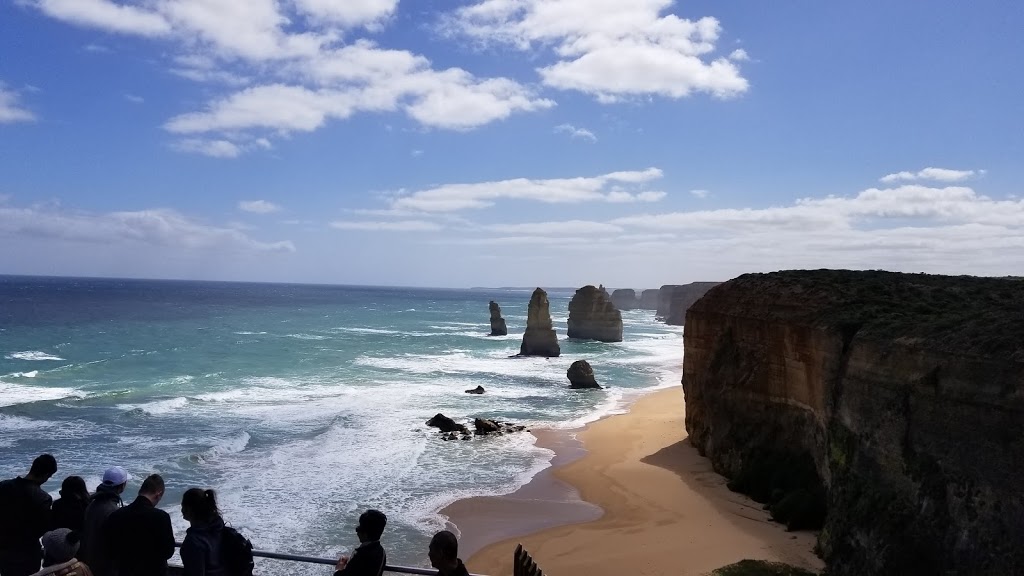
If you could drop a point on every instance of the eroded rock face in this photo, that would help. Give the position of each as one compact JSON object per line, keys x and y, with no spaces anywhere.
{"x":540,"y":338}
{"x":592,"y":316}
{"x":889,"y":407}
{"x":649,"y":299}
{"x":581,"y":375}
{"x":664,"y":301}
{"x":625,"y":299}
{"x":498,"y":327}
{"x":682,"y":297}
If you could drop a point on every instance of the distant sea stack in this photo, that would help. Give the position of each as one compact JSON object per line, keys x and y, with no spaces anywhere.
{"x":540,"y":338}
{"x":682,"y":297}
{"x":664,"y":301}
{"x":592,"y":316}
{"x":625,"y":299}
{"x":649,"y":299}
{"x":498,"y":327}
{"x":888,"y":408}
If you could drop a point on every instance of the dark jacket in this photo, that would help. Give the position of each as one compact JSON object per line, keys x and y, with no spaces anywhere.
{"x":201,"y":549}
{"x":460,"y":570}
{"x":24,"y":518}
{"x":68,"y":512}
{"x":368,"y":560}
{"x":101,"y":505}
{"x":138,"y":539}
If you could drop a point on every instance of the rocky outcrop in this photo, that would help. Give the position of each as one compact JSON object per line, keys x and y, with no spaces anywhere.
{"x":498,"y":327}
{"x":682,"y":297}
{"x":887,"y":407}
{"x":649,"y":299}
{"x":540,"y":338}
{"x":592,"y":316}
{"x":483,"y":427}
{"x":477,"y":390}
{"x":446,"y":424}
{"x":625,"y":299}
{"x":581,"y":375}
{"x":664,"y":300}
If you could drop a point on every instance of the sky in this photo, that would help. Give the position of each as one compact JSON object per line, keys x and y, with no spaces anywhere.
{"x":460,"y":143}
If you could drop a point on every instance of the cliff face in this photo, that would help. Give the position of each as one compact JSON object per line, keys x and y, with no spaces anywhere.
{"x":649,"y":299}
{"x":890,"y":407}
{"x":498,"y":327}
{"x":625,"y":299}
{"x":664,"y":300}
{"x":592,"y":316}
{"x":682,"y":297}
{"x":540,"y":338}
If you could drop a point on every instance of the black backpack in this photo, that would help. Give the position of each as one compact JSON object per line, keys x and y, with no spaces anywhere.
{"x":236,"y":552}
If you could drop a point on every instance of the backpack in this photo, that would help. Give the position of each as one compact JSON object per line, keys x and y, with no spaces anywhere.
{"x":236,"y":552}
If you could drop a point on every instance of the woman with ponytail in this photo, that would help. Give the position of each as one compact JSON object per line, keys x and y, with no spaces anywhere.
{"x":201,"y":550}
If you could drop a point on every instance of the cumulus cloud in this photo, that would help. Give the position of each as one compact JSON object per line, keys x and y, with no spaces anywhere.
{"x":258,"y":206}
{"x":348,"y":12}
{"x":609,"y":49}
{"x":211,"y":148}
{"x":934,"y":174}
{"x":107,"y":16}
{"x":739,"y":55}
{"x":700,"y":193}
{"x":604,"y":188}
{"x":11,"y":110}
{"x":387,"y":225}
{"x":569,"y":228}
{"x":575,"y":132}
{"x":159,"y":227}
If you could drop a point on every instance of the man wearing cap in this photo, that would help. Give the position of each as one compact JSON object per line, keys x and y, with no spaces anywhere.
{"x":24,"y":516}
{"x":138,"y":539}
{"x":59,"y":549}
{"x":101,"y":505}
{"x":369,"y":557}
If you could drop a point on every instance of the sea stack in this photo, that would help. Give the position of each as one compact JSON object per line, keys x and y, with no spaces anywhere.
{"x":649,"y":299}
{"x":625,"y":299}
{"x":498,"y":327}
{"x":581,"y":375}
{"x":540,"y":338}
{"x":592,"y":316}
{"x":682,"y":297}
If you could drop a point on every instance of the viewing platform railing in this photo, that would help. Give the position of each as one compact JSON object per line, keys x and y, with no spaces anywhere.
{"x":174,"y":570}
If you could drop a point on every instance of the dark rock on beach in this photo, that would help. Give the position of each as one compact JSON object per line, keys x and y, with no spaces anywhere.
{"x":592,"y":316}
{"x":477,"y":390}
{"x":581,"y":375}
{"x":540,"y":338}
{"x":446,"y":424}
{"x":483,"y":426}
{"x":498,"y":327}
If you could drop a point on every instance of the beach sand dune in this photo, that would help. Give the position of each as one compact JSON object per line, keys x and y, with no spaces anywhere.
{"x":665,"y":511}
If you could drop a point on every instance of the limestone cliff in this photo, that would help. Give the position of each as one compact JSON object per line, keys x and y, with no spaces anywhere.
{"x":540,"y":338}
{"x":498,"y":327}
{"x":592,"y":316}
{"x":889,"y":407}
{"x":664,"y":300}
{"x":649,"y":299}
{"x":682,"y":297}
{"x":625,"y":299}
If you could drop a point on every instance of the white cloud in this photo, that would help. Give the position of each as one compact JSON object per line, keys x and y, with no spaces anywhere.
{"x":935,"y":174}
{"x":258,"y":206}
{"x":96,"y":48}
{"x":159,"y":227}
{"x":211,"y":148}
{"x":700,"y":193}
{"x":134,"y":98}
{"x":348,"y":12}
{"x":568,"y":228}
{"x":739,"y":55}
{"x":455,"y":197}
{"x":610,"y":49}
{"x":387,"y":225}
{"x":11,"y":110}
{"x":575,"y":132}
{"x":107,"y":16}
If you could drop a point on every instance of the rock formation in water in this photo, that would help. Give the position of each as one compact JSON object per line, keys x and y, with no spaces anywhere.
{"x":649,"y":299}
{"x":498,"y":327}
{"x":887,"y":407}
{"x":682,"y":297}
{"x":446,"y":424}
{"x":581,"y":375}
{"x":592,"y":316}
{"x":540,"y":338}
{"x":625,"y":299}
{"x":664,"y":301}
{"x":477,"y":390}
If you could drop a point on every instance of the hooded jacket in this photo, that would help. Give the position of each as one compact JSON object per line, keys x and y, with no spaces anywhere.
{"x":101,"y":505}
{"x":25,"y":516}
{"x":201,"y":550}
{"x":73,"y":567}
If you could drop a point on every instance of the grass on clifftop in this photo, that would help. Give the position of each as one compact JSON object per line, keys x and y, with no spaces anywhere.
{"x":761,"y":568}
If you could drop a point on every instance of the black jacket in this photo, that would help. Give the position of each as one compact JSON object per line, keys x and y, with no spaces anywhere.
{"x":68,"y":513}
{"x":92,"y":549}
{"x":368,"y":560}
{"x":138,"y":539}
{"x":24,"y":518}
{"x":460,"y":570}
{"x":201,"y":550}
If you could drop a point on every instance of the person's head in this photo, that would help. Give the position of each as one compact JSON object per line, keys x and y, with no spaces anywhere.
{"x":59,"y":546}
{"x":198,"y":505}
{"x":74,"y":487}
{"x":115,"y":478}
{"x":371,"y":525}
{"x":152,"y":488}
{"x":42,"y":468}
{"x":444,"y":550}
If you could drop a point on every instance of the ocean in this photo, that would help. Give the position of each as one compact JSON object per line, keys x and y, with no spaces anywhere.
{"x":302,"y":405}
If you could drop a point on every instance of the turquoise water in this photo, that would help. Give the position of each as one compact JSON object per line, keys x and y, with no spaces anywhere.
{"x":301,"y":405}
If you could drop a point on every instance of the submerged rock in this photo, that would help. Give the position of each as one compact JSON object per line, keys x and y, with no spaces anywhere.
{"x":483,"y":426}
{"x":540,"y":338}
{"x":592,"y":316}
{"x":446,"y":424}
{"x":498,"y":327}
{"x":477,"y":390}
{"x":581,"y":375}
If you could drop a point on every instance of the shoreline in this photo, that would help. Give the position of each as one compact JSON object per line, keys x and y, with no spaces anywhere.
{"x":623,"y":492}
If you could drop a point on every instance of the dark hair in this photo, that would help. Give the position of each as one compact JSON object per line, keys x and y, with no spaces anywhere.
{"x":202,"y":503}
{"x":446,"y":543}
{"x":153,"y":484}
{"x":74,"y":487}
{"x":372,"y":523}
{"x":43,"y":466}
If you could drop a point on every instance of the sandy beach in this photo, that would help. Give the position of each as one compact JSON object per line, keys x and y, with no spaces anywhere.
{"x":630,"y":496}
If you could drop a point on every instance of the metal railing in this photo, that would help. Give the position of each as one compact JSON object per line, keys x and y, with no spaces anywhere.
{"x":330,"y":562}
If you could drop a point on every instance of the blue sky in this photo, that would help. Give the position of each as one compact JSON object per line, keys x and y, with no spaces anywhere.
{"x":509,"y":142}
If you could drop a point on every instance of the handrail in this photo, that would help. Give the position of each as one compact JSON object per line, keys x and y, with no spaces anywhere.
{"x":329,"y":562}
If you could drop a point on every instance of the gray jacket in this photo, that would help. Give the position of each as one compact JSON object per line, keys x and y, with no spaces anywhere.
{"x":101,"y":505}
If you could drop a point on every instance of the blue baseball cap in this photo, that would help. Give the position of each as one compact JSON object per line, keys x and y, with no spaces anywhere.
{"x":115,"y":476}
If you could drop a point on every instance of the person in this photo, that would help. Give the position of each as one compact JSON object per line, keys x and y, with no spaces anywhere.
{"x":59,"y":549}
{"x":201,"y":549}
{"x":69,"y":510}
{"x":444,"y":555}
{"x":138,"y":539}
{"x":102,"y":504}
{"x":369,"y":557}
{"x":24,"y":517}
